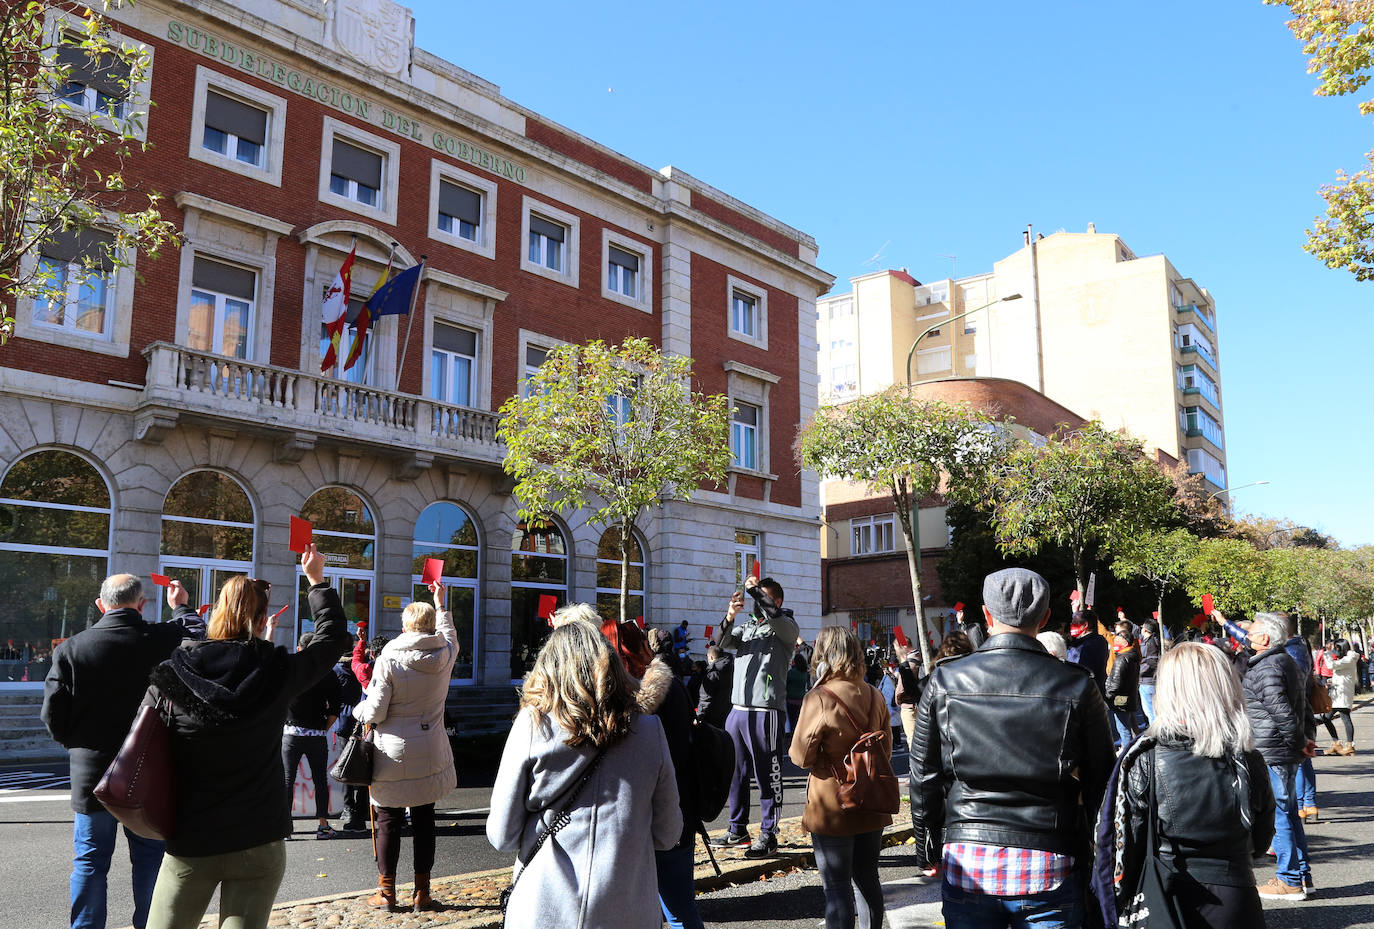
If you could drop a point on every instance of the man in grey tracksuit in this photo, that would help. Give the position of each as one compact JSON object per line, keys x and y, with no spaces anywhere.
{"x":763,"y":647}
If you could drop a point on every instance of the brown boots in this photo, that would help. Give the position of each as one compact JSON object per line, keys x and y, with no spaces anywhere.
{"x":385,"y":897}
{"x":422,"y":901}
{"x":1345,"y":748}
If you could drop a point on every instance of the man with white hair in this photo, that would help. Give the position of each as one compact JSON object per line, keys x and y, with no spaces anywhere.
{"x":1276,"y":703}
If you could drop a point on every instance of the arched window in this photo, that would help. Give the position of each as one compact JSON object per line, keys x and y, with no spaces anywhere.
{"x":347,"y":535}
{"x":608,"y":577}
{"x":54,"y":552}
{"x":207,"y":534}
{"x":445,"y":530}
{"x":538,"y":575}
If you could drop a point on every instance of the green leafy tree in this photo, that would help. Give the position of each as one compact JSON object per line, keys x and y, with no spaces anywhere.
{"x":614,"y":428}
{"x":1157,"y":557}
{"x":906,"y":448}
{"x":1085,"y":489}
{"x":1338,"y":37}
{"x":63,"y":165}
{"x":1237,"y":576}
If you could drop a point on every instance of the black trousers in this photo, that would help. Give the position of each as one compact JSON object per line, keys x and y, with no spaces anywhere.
{"x":391,"y":823}
{"x":315,"y":750}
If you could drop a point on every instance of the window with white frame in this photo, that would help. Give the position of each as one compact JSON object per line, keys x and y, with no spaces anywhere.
{"x":535,"y":356}
{"x":871,"y":535}
{"x":744,"y":436}
{"x":622,"y":272}
{"x":453,"y":365}
{"x":747,"y":312}
{"x":223,"y":297}
{"x":627,"y":270}
{"x":608,"y":577}
{"x":550,"y":242}
{"x":359,"y":171}
{"x":77,"y":271}
{"x":355,"y":173}
{"x":96,"y":84}
{"x":460,"y":211}
{"x":933,"y":360}
{"x":748,"y":552}
{"x":841,"y":308}
{"x":234,"y":129}
{"x":237,"y":127}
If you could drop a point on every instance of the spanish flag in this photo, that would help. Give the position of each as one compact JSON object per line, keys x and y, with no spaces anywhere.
{"x":391,"y":298}
{"x":335,"y":310}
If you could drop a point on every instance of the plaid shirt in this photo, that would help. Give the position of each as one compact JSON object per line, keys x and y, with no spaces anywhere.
{"x":1004,"y":872}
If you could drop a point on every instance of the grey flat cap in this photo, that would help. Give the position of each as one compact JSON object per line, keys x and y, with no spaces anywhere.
{"x":1016,"y":597}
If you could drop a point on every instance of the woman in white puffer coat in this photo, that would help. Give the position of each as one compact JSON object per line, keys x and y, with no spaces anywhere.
{"x":413,"y":765}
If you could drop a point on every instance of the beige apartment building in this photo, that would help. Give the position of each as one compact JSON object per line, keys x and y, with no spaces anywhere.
{"x":1078,"y":317}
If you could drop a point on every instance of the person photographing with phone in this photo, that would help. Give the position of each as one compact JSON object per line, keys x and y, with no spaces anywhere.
{"x":763,"y":644}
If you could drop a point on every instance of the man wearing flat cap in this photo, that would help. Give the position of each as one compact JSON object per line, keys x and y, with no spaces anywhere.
{"x":1011,"y":757}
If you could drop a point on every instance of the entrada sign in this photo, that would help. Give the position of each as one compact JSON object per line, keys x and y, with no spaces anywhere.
{"x":331,"y":95}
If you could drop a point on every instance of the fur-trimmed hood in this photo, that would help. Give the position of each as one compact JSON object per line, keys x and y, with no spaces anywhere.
{"x":221,"y":682}
{"x":653,"y":687}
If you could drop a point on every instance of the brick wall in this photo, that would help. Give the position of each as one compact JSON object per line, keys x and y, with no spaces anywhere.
{"x":872,"y":582}
{"x":737,"y":220}
{"x":1003,"y":397}
{"x":589,"y":155}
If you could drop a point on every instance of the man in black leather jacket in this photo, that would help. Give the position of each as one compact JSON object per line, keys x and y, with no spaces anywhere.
{"x":1012,"y":754}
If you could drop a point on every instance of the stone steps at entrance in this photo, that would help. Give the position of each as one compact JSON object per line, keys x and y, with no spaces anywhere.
{"x":23,"y":737}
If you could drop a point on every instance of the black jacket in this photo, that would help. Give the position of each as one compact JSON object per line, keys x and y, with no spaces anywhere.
{"x":1276,"y":702}
{"x":1123,"y":684}
{"x":350,"y":695}
{"x":999,"y":737}
{"x":976,"y":630}
{"x":1090,"y":651}
{"x":312,"y":709}
{"x":93,"y":689}
{"x":1149,"y":658}
{"x":228,"y":703}
{"x":719,"y":680}
{"x":662,"y":694}
{"x":1214,"y":813}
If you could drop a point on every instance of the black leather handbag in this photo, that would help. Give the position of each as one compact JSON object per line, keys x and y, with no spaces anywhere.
{"x":354,"y":766}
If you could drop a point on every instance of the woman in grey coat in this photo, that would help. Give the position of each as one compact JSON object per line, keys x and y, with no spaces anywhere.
{"x":598,"y":870}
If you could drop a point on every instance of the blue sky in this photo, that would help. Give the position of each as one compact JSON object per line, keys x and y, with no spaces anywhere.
{"x":943,"y":129}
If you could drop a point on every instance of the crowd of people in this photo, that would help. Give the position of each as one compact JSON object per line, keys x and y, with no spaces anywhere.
{"x":1049,"y":775}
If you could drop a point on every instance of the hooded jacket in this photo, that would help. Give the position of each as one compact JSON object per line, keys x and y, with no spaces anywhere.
{"x":599,"y":870}
{"x":763,"y":647}
{"x":663,"y":695}
{"x":1276,"y":702}
{"x":1090,"y":651}
{"x":413,"y":764}
{"x":225,"y":702}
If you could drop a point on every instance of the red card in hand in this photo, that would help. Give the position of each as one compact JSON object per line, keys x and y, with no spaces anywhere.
{"x":901,"y":636}
{"x":162,"y":580}
{"x":547,"y":604}
{"x":1155,"y":614}
{"x":709,"y":631}
{"x":278,"y":613}
{"x":1207,"y":604}
{"x":958,"y":608}
{"x":204,"y":608}
{"x":754,"y":571}
{"x":434,"y":569}
{"x":302,"y":531}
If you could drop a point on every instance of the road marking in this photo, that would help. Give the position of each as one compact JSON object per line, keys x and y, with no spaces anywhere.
{"x":485,"y":809}
{"x":34,"y":799}
{"x":30,"y":780}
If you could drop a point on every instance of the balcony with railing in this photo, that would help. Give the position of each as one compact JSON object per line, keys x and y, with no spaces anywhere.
{"x":1198,"y":313}
{"x":303,"y":408}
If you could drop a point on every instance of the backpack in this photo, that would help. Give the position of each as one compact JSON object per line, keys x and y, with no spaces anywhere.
{"x":713,"y":756}
{"x":867,"y":782}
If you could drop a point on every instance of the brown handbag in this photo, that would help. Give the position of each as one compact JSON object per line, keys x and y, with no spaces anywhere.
{"x":867,"y":783}
{"x":139,"y":787}
{"x":1318,"y":696}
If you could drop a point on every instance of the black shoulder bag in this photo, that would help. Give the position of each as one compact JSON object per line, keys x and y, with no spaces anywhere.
{"x":1153,"y":904}
{"x":562,"y":819}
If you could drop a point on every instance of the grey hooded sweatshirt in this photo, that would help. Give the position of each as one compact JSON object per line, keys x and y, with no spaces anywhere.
{"x":763,"y":645}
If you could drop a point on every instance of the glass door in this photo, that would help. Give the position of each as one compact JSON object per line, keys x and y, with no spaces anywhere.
{"x":355,"y":593}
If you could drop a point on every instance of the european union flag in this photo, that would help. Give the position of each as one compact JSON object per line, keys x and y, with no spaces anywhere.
{"x":395,"y":297}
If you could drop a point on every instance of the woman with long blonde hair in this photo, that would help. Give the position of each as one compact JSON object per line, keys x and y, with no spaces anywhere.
{"x":834,"y":714}
{"x":1196,"y":772}
{"x":582,"y":761}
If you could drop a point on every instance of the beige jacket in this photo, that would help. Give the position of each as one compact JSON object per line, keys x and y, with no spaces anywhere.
{"x":413,"y":765}
{"x":822,"y":737}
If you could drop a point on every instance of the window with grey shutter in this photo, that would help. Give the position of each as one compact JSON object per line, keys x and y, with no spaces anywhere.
{"x":83,"y":246}
{"x":453,"y":339}
{"x":548,"y":230}
{"x":236,"y":118}
{"x":230,"y":280}
{"x":460,"y":203}
{"x":357,"y":164}
{"x":624,"y":259}
{"x":108,"y":74}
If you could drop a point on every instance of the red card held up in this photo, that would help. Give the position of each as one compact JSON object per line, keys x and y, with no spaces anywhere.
{"x":162,"y":580}
{"x":302,"y":531}
{"x":434,"y":569}
{"x":547,"y":604}
{"x":278,"y":613}
{"x":204,"y":608}
{"x":709,"y":631}
{"x":1155,"y":614}
{"x":958,"y":608}
{"x":901,"y":635}
{"x":754,"y":571}
{"x":1207,"y":604}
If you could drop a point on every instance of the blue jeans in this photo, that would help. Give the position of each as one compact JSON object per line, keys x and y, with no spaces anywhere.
{"x":1124,"y":723}
{"x":677,"y":890}
{"x":848,"y":863}
{"x":93,"y":842}
{"x":1061,"y":908}
{"x":1290,"y":841}
{"x":1147,"y":700}
{"x":1306,"y":785}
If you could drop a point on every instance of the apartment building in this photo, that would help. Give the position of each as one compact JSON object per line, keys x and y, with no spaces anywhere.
{"x":172,"y":416}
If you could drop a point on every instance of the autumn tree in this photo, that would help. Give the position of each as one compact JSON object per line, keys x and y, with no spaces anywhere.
{"x":68,"y":124}
{"x":905,"y":448}
{"x":617,"y":429}
{"x":1338,"y":37}
{"x":1085,"y":489}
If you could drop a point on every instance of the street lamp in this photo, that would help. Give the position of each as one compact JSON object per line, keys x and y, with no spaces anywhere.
{"x":1269,"y":537}
{"x":1227,"y":490}
{"x":929,"y":329}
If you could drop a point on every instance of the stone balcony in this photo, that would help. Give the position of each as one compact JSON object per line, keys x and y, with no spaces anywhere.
{"x":301,"y":410}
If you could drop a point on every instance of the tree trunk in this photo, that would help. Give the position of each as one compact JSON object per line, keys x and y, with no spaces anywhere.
{"x":626,"y":534}
{"x":913,"y":568}
{"x":1159,"y":622}
{"x":1080,"y":577}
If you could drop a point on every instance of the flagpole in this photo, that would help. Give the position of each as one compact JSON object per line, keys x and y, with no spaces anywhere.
{"x":405,"y":347}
